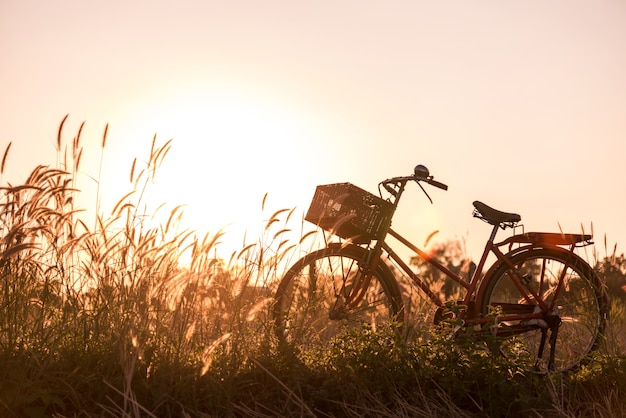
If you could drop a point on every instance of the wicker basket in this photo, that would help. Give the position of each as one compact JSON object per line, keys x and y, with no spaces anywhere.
{"x":349,"y":212}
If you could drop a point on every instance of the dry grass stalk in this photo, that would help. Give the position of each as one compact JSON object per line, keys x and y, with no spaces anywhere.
{"x":110,"y":316}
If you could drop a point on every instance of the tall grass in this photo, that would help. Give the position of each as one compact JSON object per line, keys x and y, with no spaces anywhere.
{"x":100,"y":317}
{"x":89,"y":315}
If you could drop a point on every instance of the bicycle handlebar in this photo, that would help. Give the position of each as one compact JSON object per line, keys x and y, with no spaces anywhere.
{"x":437,"y":184}
{"x":395,"y":185}
{"x":421,"y":175}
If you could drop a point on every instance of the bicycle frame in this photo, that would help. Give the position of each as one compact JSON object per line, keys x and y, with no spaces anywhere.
{"x":472,"y":285}
{"x":532,"y":240}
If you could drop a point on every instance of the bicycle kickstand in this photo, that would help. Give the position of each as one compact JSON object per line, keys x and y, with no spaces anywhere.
{"x":555,"y":324}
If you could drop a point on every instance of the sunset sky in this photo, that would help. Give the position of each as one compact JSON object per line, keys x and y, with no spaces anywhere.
{"x":520,"y":104}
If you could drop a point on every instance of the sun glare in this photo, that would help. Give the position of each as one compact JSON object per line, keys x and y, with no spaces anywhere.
{"x":228,"y":151}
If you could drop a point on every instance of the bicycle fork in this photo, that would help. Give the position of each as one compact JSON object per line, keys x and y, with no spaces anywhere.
{"x":355,"y":294}
{"x":364,"y":279}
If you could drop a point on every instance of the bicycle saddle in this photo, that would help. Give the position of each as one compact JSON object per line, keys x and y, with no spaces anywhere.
{"x":493,"y":216}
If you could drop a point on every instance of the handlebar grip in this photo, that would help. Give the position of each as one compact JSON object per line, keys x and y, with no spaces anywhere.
{"x":437,"y":184}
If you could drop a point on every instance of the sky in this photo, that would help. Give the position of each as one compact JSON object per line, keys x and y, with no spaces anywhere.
{"x":521,"y":105}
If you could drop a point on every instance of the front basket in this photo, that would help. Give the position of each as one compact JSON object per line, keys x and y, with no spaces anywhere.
{"x":349,"y":212}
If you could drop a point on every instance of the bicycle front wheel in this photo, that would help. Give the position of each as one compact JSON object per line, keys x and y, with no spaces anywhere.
{"x":573,"y":313}
{"x":315,"y":300}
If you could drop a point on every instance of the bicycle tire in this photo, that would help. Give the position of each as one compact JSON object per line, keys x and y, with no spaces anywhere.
{"x":309,"y":307}
{"x":582,"y":307}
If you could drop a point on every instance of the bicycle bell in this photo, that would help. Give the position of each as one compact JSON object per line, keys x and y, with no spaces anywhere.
{"x":421,"y":171}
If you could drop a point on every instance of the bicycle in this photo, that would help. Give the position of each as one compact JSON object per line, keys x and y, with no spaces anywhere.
{"x":538,"y":292}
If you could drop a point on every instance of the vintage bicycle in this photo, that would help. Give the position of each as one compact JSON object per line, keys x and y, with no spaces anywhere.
{"x":538,"y":292}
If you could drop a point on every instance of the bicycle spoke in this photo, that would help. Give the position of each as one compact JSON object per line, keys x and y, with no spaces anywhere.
{"x":567,"y":313}
{"x":318,"y":301}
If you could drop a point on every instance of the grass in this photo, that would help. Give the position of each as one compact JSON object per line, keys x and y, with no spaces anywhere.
{"x":100,"y":319}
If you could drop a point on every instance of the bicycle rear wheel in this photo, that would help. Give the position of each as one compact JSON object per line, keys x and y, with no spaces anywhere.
{"x":565,"y":334}
{"x":310,"y":303}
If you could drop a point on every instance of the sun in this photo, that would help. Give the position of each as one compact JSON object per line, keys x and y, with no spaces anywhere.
{"x":228,"y":150}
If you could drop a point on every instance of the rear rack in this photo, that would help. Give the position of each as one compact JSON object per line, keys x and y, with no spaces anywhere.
{"x":550,"y":239}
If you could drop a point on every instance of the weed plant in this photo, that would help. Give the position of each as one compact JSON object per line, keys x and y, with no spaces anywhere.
{"x":101,"y":318}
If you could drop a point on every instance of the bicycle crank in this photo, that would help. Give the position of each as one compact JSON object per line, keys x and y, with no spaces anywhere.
{"x":338,"y":313}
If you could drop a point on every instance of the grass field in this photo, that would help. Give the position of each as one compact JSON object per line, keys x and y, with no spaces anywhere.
{"x":103,"y":320}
